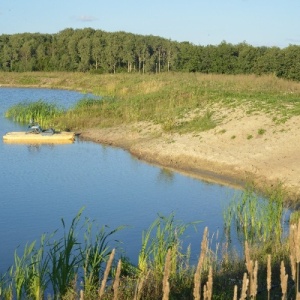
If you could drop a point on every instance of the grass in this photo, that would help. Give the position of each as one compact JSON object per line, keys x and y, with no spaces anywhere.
{"x":261,"y":131}
{"x":180,"y":102}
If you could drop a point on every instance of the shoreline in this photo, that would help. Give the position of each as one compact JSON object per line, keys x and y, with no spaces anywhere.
{"x":266,"y":162}
{"x":164,"y":161}
{"x":243,"y":148}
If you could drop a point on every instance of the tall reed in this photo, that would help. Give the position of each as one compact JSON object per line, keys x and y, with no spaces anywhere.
{"x":38,"y":111}
{"x":283,"y":280}
{"x":117,"y":281}
{"x":32,"y":273}
{"x":198,"y":272}
{"x":163,"y":234}
{"x":106,"y":273}
{"x":269,"y":275}
{"x":64,"y":258}
{"x":167,"y":271}
{"x":94,"y":254}
{"x":294,"y":243}
{"x":255,"y":219}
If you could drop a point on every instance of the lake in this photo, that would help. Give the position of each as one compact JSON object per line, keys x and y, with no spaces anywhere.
{"x":42,"y":184}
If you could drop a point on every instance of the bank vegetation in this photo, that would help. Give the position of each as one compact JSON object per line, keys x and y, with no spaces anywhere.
{"x":181,"y":102}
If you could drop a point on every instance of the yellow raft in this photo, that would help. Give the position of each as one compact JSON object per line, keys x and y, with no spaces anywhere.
{"x":28,"y":137}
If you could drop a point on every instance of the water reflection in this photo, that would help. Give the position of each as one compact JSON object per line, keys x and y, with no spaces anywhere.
{"x":165,"y":175}
{"x":33,"y":148}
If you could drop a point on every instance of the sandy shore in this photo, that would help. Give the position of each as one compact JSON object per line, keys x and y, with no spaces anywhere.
{"x":241,"y":149}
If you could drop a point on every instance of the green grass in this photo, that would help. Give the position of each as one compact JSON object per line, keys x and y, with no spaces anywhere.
{"x":178,"y":101}
{"x":261,"y":131}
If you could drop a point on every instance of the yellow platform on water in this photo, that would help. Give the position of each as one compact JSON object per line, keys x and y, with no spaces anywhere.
{"x":26,"y":137}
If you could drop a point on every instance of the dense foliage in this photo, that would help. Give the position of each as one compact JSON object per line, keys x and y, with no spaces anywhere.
{"x":104,"y":52}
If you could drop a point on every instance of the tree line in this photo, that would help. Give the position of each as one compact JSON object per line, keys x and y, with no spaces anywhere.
{"x":89,"y":50}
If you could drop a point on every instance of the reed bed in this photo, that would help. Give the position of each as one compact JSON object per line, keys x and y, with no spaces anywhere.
{"x":58,"y":268}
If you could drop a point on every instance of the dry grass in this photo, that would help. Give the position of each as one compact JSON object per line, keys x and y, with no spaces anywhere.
{"x":198,"y":273}
{"x":167,"y":272}
{"x":106,"y":273}
{"x":117,"y":281}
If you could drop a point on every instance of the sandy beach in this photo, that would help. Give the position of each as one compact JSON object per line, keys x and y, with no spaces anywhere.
{"x":240,"y":150}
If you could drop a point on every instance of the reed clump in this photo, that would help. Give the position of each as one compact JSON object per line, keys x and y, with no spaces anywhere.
{"x":39,"y":111}
{"x":256,"y":219}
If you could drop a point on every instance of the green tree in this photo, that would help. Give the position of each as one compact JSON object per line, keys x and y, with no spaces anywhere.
{"x":98,"y":46}
{"x":142,"y":53}
{"x":269,"y":61}
{"x":247,"y":56}
{"x":129,"y":57}
{"x":26,"y":52}
{"x":188,"y":58}
{"x":290,"y":67}
{"x":7,"y":58}
{"x":224,"y":59}
{"x":84,"y":51}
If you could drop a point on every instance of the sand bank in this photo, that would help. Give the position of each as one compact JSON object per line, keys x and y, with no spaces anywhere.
{"x":241,"y":150}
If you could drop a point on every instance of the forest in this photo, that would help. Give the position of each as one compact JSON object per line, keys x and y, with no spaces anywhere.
{"x":90,"y":50}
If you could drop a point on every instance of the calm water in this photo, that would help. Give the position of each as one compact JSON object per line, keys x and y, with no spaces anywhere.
{"x":42,"y":184}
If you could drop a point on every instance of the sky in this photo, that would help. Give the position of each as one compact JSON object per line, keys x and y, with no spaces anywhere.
{"x":200,"y":22}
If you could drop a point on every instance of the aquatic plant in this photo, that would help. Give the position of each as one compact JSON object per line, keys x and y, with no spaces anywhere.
{"x":30,"y":271}
{"x":95,"y":253}
{"x":163,"y":234}
{"x":55,"y":265}
{"x":38,"y":111}
{"x":256,"y":219}
{"x":65,"y":258}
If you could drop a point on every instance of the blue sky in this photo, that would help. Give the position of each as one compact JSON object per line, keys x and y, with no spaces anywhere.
{"x":201,"y":22}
